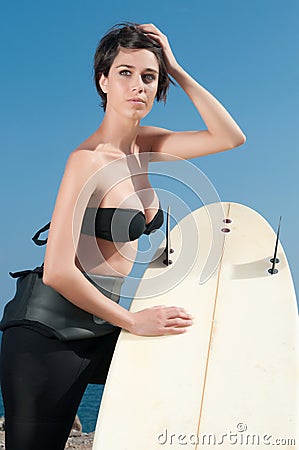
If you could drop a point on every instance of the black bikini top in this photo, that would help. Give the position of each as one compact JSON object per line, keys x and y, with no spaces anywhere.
{"x":119,"y":224}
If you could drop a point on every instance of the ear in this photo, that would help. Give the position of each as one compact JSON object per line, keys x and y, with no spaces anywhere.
{"x":103,"y":82}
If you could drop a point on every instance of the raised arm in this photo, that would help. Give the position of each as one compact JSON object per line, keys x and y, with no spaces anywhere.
{"x":60,"y":272}
{"x":222,"y":132}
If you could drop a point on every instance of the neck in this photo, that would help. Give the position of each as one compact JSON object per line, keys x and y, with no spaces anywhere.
{"x":121,"y":132}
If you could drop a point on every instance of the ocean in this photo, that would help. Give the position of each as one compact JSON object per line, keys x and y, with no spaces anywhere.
{"x":88,"y":409}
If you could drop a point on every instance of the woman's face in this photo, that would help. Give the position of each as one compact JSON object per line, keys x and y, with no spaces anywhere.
{"x":132,"y":83}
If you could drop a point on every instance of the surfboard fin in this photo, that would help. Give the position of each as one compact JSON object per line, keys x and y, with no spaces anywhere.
{"x":168,"y":250}
{"x":275,"y":260}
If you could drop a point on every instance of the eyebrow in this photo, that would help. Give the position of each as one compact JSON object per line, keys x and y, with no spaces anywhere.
{"x":149,"y":69}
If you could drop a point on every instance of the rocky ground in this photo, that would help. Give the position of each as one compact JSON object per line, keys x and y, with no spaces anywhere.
{"x":77,"y":439}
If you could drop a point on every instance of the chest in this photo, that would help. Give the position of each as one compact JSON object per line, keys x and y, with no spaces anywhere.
{"x":124,"y":183}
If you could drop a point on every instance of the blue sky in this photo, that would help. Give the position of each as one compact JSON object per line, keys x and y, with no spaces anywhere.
{"x":244,"y":52}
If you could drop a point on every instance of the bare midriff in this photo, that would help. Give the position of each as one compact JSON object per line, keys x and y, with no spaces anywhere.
{"x":102,"y":257}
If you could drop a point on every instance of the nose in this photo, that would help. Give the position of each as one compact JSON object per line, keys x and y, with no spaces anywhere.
{"x":137,"y":84}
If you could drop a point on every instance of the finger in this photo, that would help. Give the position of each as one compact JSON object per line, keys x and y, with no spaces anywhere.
{"x":151,"y":29}
{"x":178,"y":323}
{"x":174,"y":330}
{"x":175,"y":311}
{"x":152,"y":35}
{"x":155,"y":37}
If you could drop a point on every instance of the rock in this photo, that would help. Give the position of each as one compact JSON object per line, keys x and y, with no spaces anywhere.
{"x":78,"y":440}
{"x":77,"y":426}
{"x":2,"y":440}
{"x":2,"y":434}
{"x":82,"y":442}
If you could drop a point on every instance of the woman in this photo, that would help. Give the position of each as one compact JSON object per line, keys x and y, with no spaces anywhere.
{"x":105,"y":202}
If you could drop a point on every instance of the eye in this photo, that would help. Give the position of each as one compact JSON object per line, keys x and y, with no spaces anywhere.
{"x":148,"y":77}
{"x":125,"y":73}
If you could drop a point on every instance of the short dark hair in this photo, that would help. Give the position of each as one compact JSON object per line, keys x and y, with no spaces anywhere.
{"x":127,"y":35}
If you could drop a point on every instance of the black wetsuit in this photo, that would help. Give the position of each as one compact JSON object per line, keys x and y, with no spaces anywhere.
{"x":43,"y":378}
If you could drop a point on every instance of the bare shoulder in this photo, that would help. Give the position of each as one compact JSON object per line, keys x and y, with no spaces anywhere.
{"x":96,"y":169}
{"x":81,"y":173}
{"x":149,"y":138}
{"x":85,"y":159}
{"x":83,"y":163}
{"x":148,"y":133}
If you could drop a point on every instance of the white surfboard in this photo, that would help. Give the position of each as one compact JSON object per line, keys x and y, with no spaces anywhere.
{"x":231,"y":379}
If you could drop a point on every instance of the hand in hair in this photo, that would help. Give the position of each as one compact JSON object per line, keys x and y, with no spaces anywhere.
{"x":154,"y":33}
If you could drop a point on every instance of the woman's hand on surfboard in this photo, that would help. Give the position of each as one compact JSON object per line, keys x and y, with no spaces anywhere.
{"x":154,"y":33}
{"x":160,"y":321}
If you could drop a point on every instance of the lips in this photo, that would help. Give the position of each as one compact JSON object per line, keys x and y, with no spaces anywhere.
{"x":136,"y":100}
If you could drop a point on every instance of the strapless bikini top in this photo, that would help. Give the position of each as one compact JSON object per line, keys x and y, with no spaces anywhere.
{"x":119,"y":224}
